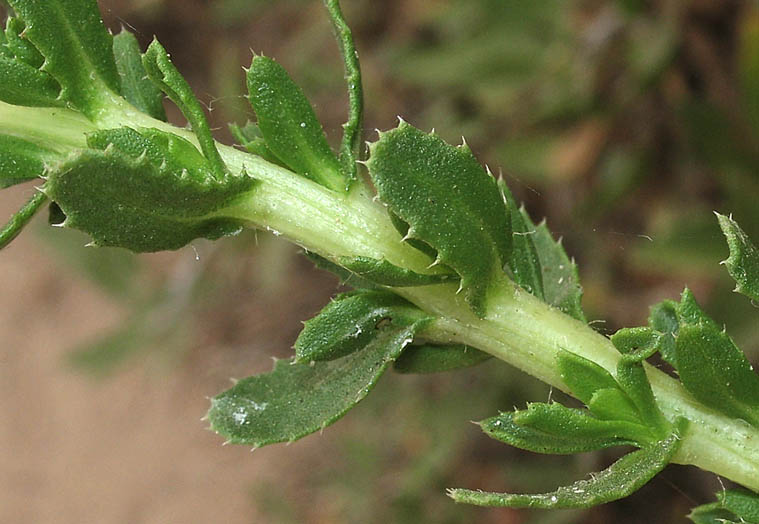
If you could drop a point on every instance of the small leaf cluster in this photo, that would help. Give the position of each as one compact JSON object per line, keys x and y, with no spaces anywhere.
{"x":621,"y":411}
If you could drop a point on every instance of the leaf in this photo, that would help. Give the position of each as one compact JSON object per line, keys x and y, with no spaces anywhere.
{"x":561,"y":282}
{"x":19,"y":47}
{"x":159,"y":68}
{"x":636,"y":345}
{"x":23,"y":85}
{"x":350,"y":322}
{"x":21,"y":160}
{"x":716,"y":372}
{"x":78,"y":50}
{"x":713,"y":514}
{"x":744,"y":504}
{"x":743,"y":262}
{"x":583,"y":377}
{"x":524,"y":261}
{"x":663,"y":318}
{"x":136,"y":86}
{"x":250,"y":138}
{"x":619,"y":480}
{"x":384,"y":273}
{"x":170,"y":153}
{"x":351,"y":142}
{"x":429,"y":358}
{"x":131,"y":203}
{"x":21,"y":219}
{"x":289,"y":125}
{"x":556,"y":429}
{"x":449,"y":202}
{"x":613,"y":404}
{"x":295,"y":400}
{"x":345,"y":276}
{"x":733,"y":506}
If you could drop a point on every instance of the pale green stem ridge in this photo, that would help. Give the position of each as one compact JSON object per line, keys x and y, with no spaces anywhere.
{"x":518,"y":328}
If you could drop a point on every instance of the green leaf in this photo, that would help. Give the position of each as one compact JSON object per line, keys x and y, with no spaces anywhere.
{"x":295,"y":400}
{"x":170,"y":153}
{"x":583,"y":377}
{"x":289,"y":125}
{"x":351,"y":142}
{"x":449,"y":202}
{"x":636,"y":345}
{"x":21,"y":219}
{"x":251,"y":139}
{"x":689,"y":313}
{"x":524,"y":261}
{"x":384,"y":273}
{"x":716,"y":372}
{"x":132,"y":203}
{"x":159,"y":68}
{"x":21,"y":160}
{"x":733,"y":506}
{"x":23,"y":85}
{"x":663,"y":318}
{"x":19,"y":47}
{"x":556,"y":429}
{"x":743,"y":262}
{"x":613,"y":404}
{"x":136,"y":86}
{"x":78,"y":49}
{"x":429,"y":358}
{"x":350,"y":322}
{"x":744,"y":504}
{"x":713,"y":514}
{"x":345,"y":276}
{"x":561,"y":282}
{"x":619,"y":480}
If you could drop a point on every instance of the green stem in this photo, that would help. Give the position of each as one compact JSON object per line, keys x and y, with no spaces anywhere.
{"x":518,"y":328}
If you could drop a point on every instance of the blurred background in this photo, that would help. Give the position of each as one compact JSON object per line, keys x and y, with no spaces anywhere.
{"x":624,"y":123}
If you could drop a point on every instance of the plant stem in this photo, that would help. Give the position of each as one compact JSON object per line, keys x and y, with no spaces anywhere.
{"x":518,"y":329}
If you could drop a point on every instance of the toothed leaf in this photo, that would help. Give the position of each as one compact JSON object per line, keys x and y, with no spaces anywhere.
{"x":289,"y":125}
{"x":295,"y":400}
{"x":21,"y":160}
{"x":523,"y":261}
{"x":19,"y":47}
{"x":384,"y":273}
{"x":449,"y":202}
{"x":619,"y":480}
{"x":430,"y":358}
{"x":556,"y":429}
{"x":733,"y":506}
{"x":716,"y":372}
{"x":561,"y":282}
{"x":168,"y":152}
{"x":23,"y":85}
{"x":136,"y":87}
{"x":162,"y":71}
{"x":350,"y":145}
{"x":131,"y":203}
{"x":714,"y":514}
{"x":78,"y":49}
{"x":743,"y":262}
{"x":350,"y":322}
